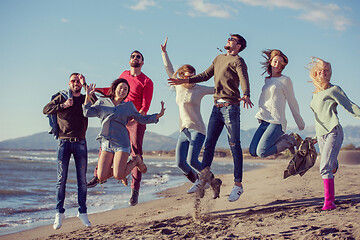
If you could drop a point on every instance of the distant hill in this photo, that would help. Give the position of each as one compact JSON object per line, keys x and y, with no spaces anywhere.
{"x":45,"y":141}
{"x":156,"y":142}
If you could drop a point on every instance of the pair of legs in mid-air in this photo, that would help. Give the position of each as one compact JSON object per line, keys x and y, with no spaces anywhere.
{"x":136,"y":134}
{"x":269,"y":139}
{"x":228,"y":116}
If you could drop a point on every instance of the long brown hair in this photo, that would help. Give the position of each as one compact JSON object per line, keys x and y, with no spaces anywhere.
{"x":269,"y":54}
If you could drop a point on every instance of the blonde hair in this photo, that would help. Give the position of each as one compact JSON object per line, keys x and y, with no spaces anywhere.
{"x":269,"y":54}
{"x":315,"y":65}
{"x":180,"y":73}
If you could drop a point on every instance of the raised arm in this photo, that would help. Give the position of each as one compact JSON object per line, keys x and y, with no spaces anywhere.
{"x":162,"y":111}
{"x":89,"y":92}
{"x":146,"y":119}
{"x":167,"y":63}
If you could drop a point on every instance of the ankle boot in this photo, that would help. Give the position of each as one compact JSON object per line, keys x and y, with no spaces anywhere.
{"x":215,"y":185}
{"x":329,"y":194}
{"x":285,"y":142}
{"x":298,"y":139}
{"x":205,"y":176}
{"x":139,"y":163}
{"x":192,"y":176}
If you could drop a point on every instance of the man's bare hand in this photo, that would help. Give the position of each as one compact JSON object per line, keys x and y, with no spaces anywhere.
{"x":177,"y":81}
{"x":247,"y":101}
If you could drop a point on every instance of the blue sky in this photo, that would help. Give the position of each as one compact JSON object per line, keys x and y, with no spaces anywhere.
{"x":43,"y":41}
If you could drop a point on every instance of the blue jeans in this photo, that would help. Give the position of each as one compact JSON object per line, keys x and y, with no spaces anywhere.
{"x":188,"y":147}
{"x":230,"y":117}
{"x":79,"y":151}
{"x":264,"y":139}
{"x":329,"y":146}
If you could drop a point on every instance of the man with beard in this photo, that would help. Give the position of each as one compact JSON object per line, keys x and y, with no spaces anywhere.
{"x":230,"y":72}
{"x":141,"y":91}
{"x":72,"y":129}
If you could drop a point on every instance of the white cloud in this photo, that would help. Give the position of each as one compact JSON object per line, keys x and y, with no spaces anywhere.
{"x":65,"y":20}
{"x":325,"y":14}
{"x":209,"y":9}
{"x":142,"y":5}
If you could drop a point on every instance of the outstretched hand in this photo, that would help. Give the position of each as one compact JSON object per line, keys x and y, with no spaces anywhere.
{"x":247,"y":101}
{"x":177,"y":81}
{"x":162,"y":111}
{"x":163,"y":47}
{"x":91,"y":89}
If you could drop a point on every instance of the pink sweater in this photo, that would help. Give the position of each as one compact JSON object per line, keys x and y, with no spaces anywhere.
{"x":141,"y":90}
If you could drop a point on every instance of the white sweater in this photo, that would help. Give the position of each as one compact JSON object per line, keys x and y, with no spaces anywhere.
{"x":275,"y":92}
{"x":188,"y":100}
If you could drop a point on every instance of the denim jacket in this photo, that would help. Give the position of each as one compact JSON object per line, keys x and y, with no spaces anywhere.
{"x":54,"y":126}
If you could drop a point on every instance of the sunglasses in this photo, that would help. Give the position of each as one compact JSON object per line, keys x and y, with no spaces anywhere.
{"x":136,"y":56}
{"x":233,"y":39}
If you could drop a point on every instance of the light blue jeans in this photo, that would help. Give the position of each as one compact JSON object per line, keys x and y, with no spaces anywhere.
{"x":230,"y":118}
{"x":329,"y":145}
{"x":79,"y":151}
{"x":188,"y":149}
{"x":264,"y":139}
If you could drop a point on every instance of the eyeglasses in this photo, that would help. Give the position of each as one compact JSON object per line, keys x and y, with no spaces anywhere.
{"x":136,"y":56}
{"x":233,"y":39}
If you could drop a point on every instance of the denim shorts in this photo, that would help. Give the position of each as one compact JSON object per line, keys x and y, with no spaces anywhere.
{"x":110,"y":146}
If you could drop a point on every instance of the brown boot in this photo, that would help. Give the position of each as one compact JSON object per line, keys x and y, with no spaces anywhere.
{"x":205,"y":177}
{"x":215,"y":185}
{"x":298,"y":139}
{"x":139,"y":163}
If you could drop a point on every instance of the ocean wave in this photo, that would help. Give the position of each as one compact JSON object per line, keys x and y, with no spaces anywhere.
{"x":10,"y":211}
{"x":22,"y":158}
{"x":9,"y":192}
{"x":157,"y":179}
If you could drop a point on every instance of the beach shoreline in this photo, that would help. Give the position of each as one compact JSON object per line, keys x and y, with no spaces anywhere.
{"x":270,"y":208}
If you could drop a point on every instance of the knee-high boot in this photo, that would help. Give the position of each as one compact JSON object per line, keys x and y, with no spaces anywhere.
{"x":329,"y":194}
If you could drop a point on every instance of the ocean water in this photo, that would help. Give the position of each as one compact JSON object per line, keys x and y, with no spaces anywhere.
{"x":28,"y":178}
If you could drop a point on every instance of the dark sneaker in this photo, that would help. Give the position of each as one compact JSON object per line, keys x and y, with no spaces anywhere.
{"x":215,"y":185}
{"x":94,"y":181}
{"x":134,"y":197}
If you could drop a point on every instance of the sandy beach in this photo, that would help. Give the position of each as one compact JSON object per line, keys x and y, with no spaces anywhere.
{"x":270,"y":208}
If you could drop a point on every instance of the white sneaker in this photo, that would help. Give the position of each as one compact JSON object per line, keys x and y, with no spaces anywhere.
{"x":196,"y":186}
{"x":84,"y":219}
{"x":59,"y":217}
{"x":235,"y":193}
